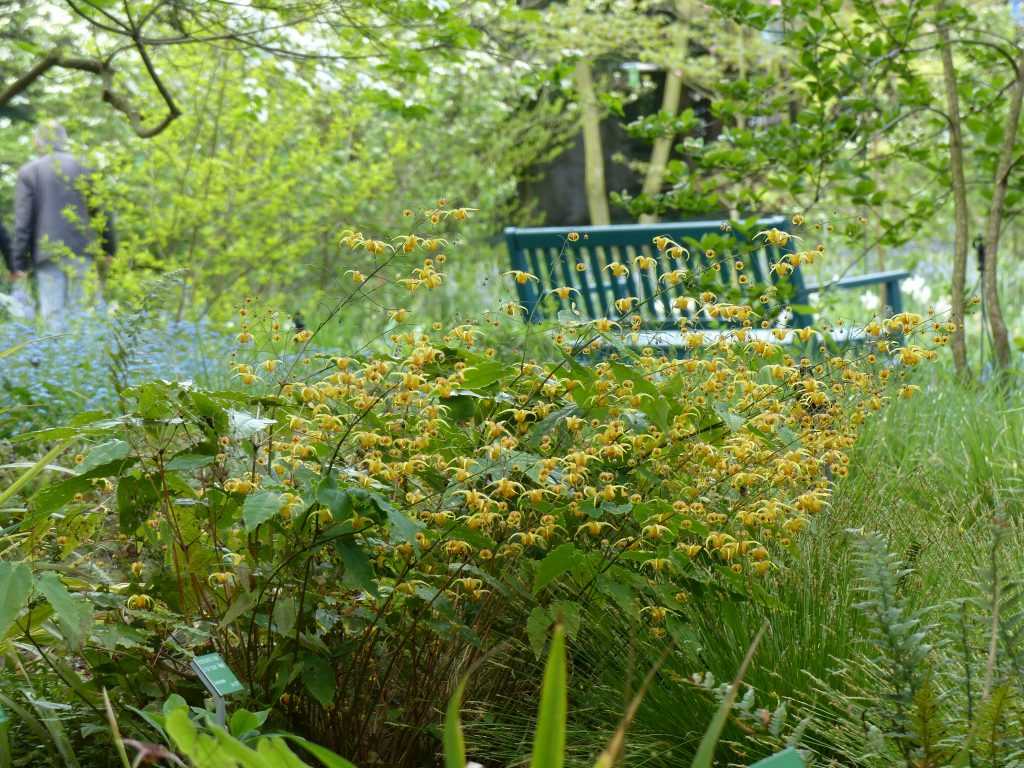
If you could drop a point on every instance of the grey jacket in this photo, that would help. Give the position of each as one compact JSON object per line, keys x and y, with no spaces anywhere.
{"x":46,"y":188}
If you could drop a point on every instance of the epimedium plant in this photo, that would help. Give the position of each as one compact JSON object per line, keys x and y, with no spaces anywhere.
{"x":353,"y":531}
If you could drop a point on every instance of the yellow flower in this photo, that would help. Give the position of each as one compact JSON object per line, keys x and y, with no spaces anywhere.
{"x":775,"y":236}
{"x":140,"y":602}
{"x":907,"y":392}
{"x":563,"y":292}
{"x":521,"y":277}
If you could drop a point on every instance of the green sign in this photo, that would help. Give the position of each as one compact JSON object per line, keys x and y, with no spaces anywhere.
{"x":216,"y":675}
{"x":3,"y":718}
{"x":788,"y":758}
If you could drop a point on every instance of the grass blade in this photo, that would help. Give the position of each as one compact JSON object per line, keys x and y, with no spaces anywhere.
{"x":34,"y":470}
{"x":706,"y":752}
{"x":115,"y":732}
{"x":454,"y":742}
{"x":549,"y":737}
{"x":613,"y":752}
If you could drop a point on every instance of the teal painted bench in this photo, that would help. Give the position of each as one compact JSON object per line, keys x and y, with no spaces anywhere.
{"x":548,"y":254}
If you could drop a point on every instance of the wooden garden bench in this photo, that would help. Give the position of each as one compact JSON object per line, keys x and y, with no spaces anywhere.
{"x":554,"y":254}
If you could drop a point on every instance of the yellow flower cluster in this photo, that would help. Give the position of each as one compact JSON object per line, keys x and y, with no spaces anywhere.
{"x":715,"y":461}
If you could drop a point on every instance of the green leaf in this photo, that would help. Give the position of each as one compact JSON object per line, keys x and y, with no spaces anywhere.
{"x":454,"y":742}
{"x":358,"y":569}
{"x":260,"y":507}
{"x":334,"y":498}
{"x":243,"y":721}
{"x":104,"y":454}
{"x":319,"y":678}
{"x":277,"y":754}
{"x":181,"y":730}
{"x":173,"y":702}
{"x":402,"y":527}
{"x":74,"y":617}
{"x":549,"y":737}
{"x":537,"y":630}
{"x":484,"y":374}
{"x":732,"y":420}
{"x":188,"y":462}
{"x":325,"y":756}
{"x":558,"y":561}
{"x":53,"y":497}
{"x":15,"y":586}
{"x":136,"y":497}
{"x":241,"y":604}
{"x":568,"y":614}
{"x":285,"y":615}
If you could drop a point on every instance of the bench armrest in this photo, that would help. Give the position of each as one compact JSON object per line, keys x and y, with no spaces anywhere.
{"x":859,"y":281}
{"x":891,"y":280}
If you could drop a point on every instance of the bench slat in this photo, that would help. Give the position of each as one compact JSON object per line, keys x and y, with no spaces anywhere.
{"x":547,"y":253}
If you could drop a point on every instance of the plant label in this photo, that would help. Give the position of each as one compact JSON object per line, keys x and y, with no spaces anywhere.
{"x":216,"y":675}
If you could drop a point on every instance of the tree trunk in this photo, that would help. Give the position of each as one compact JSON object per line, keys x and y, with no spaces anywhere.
{"x":961,"y":213}
{"x":593,"y":152}
{"x":655,"y":175}
{"x":990,"y":281}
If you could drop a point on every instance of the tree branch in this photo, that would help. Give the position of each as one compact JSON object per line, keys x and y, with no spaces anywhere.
{"x":54,"y":58}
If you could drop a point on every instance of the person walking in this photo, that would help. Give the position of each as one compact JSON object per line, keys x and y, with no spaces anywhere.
{"x":54,"y":236}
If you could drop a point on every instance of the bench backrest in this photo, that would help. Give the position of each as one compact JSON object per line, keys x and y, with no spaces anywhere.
{"x":547,"y":253}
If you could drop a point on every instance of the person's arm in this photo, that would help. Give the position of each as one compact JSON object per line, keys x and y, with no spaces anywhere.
{"x":5,"y":248}
{"x":24,"y":226}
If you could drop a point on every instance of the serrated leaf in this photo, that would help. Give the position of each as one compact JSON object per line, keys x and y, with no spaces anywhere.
{"x":260,"y":507}
{"x":555,"y":563}
{"x":103,"y":454}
